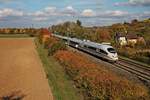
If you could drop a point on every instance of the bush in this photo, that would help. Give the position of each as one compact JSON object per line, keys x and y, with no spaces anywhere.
{"x":97,"y":82}
{"x":49,"y":42}
{"x":40,"y":38}
{"x":59,"y":45}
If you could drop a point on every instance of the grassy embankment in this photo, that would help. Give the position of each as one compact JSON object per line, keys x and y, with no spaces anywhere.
{"x":61,"y":86}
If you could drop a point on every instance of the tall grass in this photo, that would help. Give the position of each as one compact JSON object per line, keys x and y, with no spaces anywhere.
{"x":62,"y":87}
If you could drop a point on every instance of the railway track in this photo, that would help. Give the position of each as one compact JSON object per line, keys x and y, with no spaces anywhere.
{"x":141,"y":71}
{"x":143,"y":67}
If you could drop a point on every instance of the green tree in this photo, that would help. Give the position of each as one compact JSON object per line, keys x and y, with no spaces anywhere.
{"x":79,"y":23}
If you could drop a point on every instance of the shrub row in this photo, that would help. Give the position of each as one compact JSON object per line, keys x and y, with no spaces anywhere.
{"x":97,"y":82}
{"x":53,"y":45}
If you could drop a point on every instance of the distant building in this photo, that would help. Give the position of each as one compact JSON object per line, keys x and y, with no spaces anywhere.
{"x":141,"y":40}
{"x":121,"y":39}
{"x":131,"y":38}
{"x":45,"y":34}
{"x":128,"y":39}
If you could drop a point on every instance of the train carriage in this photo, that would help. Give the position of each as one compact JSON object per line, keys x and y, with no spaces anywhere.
{"x":101,"y":50}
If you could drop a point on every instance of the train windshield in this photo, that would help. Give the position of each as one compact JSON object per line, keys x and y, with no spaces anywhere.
{"x":111,"y":50}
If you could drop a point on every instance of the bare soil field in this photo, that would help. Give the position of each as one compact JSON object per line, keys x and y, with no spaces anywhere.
{"x":21,"y":73}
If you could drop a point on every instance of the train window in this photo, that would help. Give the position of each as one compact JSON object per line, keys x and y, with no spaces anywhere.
{"x":85,"y":46}
{"x":92,"y":48}
{"x":111,"y":50}
{"x":104,"y":52}
{"x":74,"y":42}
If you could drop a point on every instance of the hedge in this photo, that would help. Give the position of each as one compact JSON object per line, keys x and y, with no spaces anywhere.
{"x":97,"y":82}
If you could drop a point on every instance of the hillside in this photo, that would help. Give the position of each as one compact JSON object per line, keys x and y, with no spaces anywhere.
{"x":99,"y":34}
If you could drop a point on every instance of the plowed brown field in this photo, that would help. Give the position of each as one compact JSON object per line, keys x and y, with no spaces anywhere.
{"x":21,"y":71}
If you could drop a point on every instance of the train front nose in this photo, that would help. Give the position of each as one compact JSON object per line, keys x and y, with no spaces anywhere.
{"x":114,"y":56}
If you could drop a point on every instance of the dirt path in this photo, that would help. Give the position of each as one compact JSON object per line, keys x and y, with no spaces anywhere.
{"x":21,"y":71}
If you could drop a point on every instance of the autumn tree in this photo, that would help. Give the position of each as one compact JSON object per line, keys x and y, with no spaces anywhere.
{"x":102,"y":35}
{"x":134,"y":21}
{"x":119,"y":28}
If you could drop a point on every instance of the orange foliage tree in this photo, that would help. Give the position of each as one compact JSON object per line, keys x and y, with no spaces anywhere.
{"x":102,"y":34}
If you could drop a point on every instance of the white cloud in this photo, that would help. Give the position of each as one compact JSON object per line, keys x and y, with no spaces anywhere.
{"x":50,"y":9}
{"x":60,"y":21}
{"x":88,"y":13}
{"x":134,"y":3}
{"x":47,"y":11}
{"x":116,"y":13}
{"x":70,"y":8}
{"x":37,"y":13}
{"x":53,"y":11}
{"x":40,"y":18}
{"x":44,"y":14}
{"x":139,"y":1}
{"x":56,"y":16}
{"x":10,"y":12}
{"x":104,"y":14}
{"x":7,"y":1}
{"x":69,"y":11}
{"x":120,"y":3}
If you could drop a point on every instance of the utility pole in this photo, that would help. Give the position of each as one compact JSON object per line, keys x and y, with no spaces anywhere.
{"x":124,"y":28}
{"x":32,"y":26}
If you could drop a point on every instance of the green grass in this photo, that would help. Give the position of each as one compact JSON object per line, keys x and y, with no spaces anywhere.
{"x":62,"y":88}
{"x":14,"y":35}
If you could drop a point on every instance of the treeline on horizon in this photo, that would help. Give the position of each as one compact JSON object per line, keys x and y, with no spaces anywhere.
{"x":95,"y":33}
{"x":106,"y":33}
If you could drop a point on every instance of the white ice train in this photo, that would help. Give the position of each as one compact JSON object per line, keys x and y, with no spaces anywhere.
{"x":106,"y":52}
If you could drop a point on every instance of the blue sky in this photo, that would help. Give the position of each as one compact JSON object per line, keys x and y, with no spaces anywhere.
{"x":44,"y":13}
